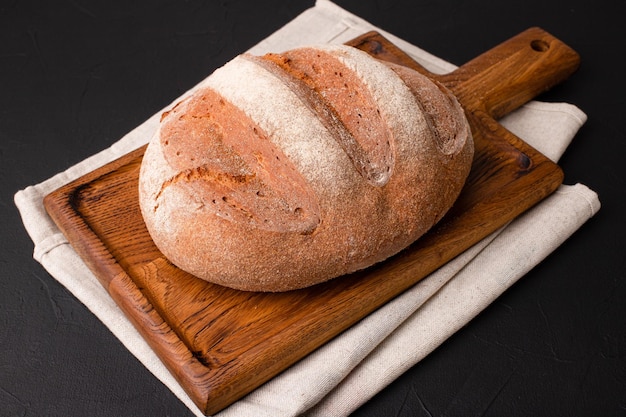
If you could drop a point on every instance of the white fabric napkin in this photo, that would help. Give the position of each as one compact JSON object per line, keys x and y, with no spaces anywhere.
{"x":346,"y":372}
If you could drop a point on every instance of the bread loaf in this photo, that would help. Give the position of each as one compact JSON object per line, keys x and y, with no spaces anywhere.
{"x":286,"y":170}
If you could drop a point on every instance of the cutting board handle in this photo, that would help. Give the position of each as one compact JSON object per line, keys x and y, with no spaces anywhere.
{"x":512,"y":73}
{"x":499,"y":80}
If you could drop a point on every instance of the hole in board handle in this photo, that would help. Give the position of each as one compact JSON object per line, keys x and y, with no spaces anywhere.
{"x":539,"y":45}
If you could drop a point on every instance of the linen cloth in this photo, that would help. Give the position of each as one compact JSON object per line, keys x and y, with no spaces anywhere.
{"x":346,"y":372}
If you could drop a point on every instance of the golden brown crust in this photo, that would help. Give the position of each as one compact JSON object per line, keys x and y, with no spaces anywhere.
{"x":253,"y":190}
{"x":226,"y":160}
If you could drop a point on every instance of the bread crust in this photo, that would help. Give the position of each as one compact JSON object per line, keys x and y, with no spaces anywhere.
{"x":268,"y":178}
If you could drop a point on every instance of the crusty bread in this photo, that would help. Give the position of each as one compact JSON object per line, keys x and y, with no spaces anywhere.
{"x":290,"y":169}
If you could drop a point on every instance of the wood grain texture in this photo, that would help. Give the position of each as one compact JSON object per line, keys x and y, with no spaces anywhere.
{"x":221,"y":343}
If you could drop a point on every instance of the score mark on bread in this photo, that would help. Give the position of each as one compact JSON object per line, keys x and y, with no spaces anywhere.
{"x":343,"y":104}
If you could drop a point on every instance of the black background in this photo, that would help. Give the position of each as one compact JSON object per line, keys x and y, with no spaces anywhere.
{"x":77,"y":75}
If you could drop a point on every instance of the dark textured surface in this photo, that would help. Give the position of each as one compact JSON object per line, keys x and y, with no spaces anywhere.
{"x":77,"y":75}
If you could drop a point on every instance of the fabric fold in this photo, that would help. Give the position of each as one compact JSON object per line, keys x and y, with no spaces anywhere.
{"x":343,"y":374}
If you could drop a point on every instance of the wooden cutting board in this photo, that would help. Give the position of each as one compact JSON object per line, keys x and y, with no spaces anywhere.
{"x":221,"y":343}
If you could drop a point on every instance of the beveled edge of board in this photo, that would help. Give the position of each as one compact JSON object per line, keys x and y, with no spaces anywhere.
{"x":60,"y":205}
